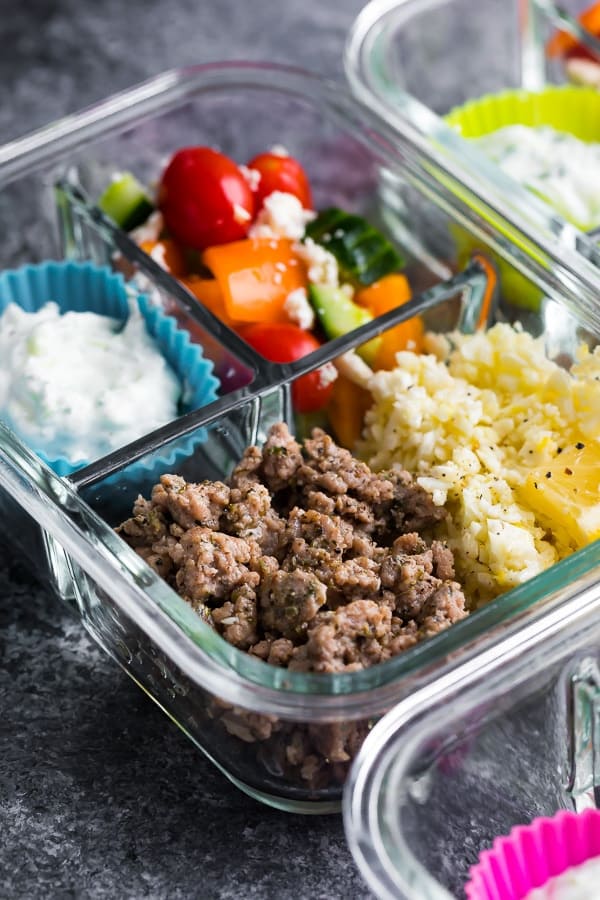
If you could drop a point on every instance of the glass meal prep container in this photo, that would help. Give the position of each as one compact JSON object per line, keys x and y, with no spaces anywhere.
{"x":415,"y":61}
{"x":284,"y":737}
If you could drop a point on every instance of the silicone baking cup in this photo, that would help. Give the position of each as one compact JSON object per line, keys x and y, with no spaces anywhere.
{"x":532,"y":854}
{"x":568,"y":108}
{"x":85,"y":287}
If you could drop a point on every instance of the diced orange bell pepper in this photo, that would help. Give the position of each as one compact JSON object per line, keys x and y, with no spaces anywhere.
{"x":562,"y":42}
{"x":208,"y":292}
{"x":346,"y":410}
{"x":255,"y":276}
{"x":167,"y":254}
{"x":382,"y":296}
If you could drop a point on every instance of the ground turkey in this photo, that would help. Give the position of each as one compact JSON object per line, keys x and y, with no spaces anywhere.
{"x":304,"y":557}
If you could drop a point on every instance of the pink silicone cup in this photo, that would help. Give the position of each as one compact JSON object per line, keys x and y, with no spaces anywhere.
{"x":532,"y":854}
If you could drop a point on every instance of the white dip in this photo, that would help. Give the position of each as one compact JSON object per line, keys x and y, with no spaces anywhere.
{"x":558,"y":167}
{"x":79,"y":385}
{"x":579,"y":883}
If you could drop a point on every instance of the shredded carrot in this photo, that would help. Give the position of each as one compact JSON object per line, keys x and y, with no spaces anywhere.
{"x":490,"y":288}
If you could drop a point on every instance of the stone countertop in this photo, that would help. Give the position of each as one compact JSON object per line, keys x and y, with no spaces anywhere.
{"x":100,"y":795}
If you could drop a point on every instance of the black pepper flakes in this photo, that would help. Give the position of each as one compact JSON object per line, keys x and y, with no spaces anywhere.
{"x":548,"y":474}
{"x":568,"y":471}
{"x":579,"y":445}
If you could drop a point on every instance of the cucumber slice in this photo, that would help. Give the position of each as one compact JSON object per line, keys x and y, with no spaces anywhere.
{"x":363,"y":253}
{"x":126,"y":201}
{"x":338,"y":314}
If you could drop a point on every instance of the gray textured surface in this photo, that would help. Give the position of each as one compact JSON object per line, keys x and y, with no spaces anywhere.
{"x":100,"y":795}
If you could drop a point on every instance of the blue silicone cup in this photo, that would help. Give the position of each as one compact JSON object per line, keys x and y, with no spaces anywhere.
{"x":85,"y":287}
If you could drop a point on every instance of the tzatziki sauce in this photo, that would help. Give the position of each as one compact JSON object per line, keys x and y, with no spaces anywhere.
{"x":562,"y":169}
{"x":79,"y":385}
{"x":579,"y":883}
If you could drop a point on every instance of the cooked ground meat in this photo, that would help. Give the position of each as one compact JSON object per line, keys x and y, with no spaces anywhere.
{"x":289,"y":601}
{"x":305,"y":558}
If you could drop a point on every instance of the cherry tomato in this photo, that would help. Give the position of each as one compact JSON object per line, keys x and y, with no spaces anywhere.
{"x":282,"y":342}
{"x":205,"y":199}
{"x":280,"y":173}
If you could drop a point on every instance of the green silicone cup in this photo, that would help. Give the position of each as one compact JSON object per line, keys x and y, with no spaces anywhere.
{"x":575,"y":110}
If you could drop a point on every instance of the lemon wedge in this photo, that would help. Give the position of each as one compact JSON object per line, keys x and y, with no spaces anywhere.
{"x":565,"y":494}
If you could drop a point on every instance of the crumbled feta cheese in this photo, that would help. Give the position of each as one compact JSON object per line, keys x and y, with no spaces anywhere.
{"x":158,"y":254}
{"x":583,"y":71}
{"x":348,"y":290}
{"x":282,"y":216}
{"x":150,"y":230}
{"x":298,"y":309}
{"x":321,"y":265}
{"x":354,"y":368}
{"x":278,"y":150}
{"x":327,"y":374}
{"x":252,"y":177}
{"x":241,"y":215}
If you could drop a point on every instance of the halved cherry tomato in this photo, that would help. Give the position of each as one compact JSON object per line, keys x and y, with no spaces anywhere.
{"x":280,"y":173}
{"x":281,"y":342}
{"x":204,"y":198}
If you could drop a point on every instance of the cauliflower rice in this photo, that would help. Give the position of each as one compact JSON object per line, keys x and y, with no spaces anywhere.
{"x":482,"y":430}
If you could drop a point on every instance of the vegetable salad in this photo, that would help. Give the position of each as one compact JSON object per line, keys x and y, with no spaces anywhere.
{"x":246,"y":241}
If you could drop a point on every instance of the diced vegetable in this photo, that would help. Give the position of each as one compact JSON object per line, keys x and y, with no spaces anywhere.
{"x":346,"y":410}
{"x":381,"y":297}
{"x":564,"y":44}
{"x":126,"y":201}
{"x":208,"y":291}
{"x":363,"y":253}
{"x":338,"y":314}
{"x":255,"y":277}
{"x":167,"y":254}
